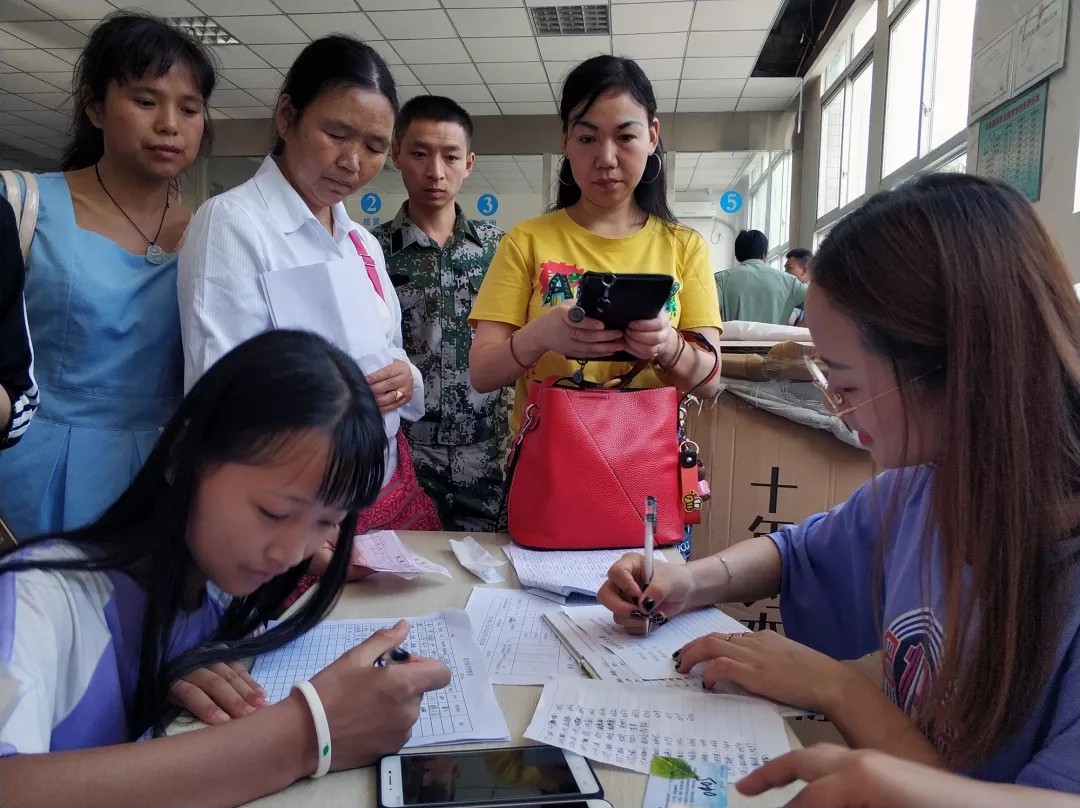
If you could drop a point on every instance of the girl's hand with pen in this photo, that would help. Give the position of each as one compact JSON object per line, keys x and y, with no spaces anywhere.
{"x":670,"y":593}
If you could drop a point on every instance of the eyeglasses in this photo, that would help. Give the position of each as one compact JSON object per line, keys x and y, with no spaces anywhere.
{"x":835,"y":401}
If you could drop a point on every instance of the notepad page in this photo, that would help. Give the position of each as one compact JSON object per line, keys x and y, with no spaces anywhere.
{"x":464,"y":710}
{"x":628,"y":726}
{"x":564,"y":571}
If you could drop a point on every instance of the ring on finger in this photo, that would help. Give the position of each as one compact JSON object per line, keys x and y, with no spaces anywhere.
{"x":728,"y":637}
{"x":400,"y":395}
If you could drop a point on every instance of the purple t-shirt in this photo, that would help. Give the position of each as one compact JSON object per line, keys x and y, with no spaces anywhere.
{"x":827,"y":602}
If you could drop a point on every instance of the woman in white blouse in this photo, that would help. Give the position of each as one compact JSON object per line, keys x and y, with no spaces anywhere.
{"x":281,"y":251}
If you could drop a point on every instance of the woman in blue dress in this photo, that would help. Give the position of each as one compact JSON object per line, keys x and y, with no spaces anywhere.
{"x":101,"y":275}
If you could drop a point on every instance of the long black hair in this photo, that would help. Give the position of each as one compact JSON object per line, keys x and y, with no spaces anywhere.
{"x":591,"y":79}
{"x":245,"y":409}
{"x":329,"y":64}
{"x":124,"y":47}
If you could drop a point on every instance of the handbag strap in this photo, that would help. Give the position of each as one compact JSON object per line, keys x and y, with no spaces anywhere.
{"x":24,"y":205}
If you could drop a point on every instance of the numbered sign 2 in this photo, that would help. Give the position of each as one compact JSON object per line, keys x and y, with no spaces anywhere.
{"x":731,"y":202}
{"x":487,"y":205}
{"x":371,"y":203}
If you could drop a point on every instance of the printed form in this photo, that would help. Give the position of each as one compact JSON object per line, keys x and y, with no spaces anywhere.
{"x":628,"y":726}
{"x":464,"y":710}
{"x":518,"y":646}
{"x":564,"y":572}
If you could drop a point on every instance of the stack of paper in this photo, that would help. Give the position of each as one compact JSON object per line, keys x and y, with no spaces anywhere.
{"x":564,"y":573}
{"x":464,"y":710}
{"x":629,"y":726}
{"x":384,"y":551}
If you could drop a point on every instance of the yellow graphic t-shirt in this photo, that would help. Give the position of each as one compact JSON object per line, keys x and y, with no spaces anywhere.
{"x":539,"y":263}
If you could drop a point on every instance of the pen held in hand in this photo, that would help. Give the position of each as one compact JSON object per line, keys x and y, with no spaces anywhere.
{"x":395,"y":656}
{"x":650,"y":543}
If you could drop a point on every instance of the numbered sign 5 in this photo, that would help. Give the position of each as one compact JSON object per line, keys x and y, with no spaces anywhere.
{"x":731,"y":202}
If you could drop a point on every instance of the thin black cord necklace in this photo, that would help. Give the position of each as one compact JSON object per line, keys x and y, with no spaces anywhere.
{"x":154,"y":253}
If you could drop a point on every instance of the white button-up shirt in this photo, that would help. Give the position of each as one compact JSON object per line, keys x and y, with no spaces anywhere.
{"x":261,"y":226}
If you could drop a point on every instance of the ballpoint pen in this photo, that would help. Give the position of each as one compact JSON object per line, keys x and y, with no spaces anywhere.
{"x":650,"y":540}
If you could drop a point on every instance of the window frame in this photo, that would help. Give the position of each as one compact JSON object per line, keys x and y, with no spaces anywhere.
{"x":844,"y":85}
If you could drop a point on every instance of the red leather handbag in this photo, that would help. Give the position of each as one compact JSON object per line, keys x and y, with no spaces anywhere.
{"x":586,"y":456}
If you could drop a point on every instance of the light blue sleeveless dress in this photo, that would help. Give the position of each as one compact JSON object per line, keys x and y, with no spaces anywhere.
{"x":109,"y":362}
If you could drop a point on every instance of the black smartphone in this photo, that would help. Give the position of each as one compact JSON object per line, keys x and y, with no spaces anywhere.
{"x":619,"y":298}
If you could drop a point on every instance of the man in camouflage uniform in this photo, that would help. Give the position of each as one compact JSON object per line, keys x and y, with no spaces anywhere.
{"x":436,"y":258}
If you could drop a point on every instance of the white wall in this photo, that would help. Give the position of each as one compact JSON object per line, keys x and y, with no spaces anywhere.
{"x":513,"y":208}
{"x":1057,"y":202}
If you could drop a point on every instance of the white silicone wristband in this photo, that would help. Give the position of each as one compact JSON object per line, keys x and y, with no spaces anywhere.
{"x":322,"y":726}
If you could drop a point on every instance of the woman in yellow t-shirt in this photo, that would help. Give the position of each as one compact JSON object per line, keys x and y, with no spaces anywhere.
{"x":611,"y":215}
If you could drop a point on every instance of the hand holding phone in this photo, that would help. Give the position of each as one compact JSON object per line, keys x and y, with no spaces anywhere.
{"x":371,"y":710}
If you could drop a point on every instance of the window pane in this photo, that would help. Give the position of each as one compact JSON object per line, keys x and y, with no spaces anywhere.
{"x":903,"y":95}
{"x":858,"y":136}
{"x":779,"y":202}
{"x":832,"y":139}
{"x":836,"y":66}
{"x":957,"y":165}
{"x":865,"y":30}
{"x":952,"y":70}
{"x":759,"y":208}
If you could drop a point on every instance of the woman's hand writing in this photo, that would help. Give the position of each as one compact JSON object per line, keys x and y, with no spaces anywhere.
{"x":669,"y":594}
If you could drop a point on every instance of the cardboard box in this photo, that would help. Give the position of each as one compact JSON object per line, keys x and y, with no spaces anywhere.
{"x":765,"y":472}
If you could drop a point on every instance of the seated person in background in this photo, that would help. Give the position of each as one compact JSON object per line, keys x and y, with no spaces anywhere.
{"x":18,"y":393}
{"x":846,"y":778}
{"x":273,"y":453}
{"x":755,"y":291}
{"x":960,"y":563}
{"x":797,"y":264}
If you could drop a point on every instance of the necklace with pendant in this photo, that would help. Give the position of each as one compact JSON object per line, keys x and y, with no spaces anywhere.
{"x":154,"y":253}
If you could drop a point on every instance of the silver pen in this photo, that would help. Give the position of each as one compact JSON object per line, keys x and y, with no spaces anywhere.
{"x":650,"y":543}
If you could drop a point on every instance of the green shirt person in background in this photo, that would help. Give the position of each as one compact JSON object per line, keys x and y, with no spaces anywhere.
{"x":436,"y":258}
{"x":755,"y":291}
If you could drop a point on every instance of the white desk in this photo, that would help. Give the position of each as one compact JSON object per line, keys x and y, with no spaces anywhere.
{"x":385,"y":595}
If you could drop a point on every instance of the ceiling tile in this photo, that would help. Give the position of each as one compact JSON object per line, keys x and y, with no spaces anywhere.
{"x":413,"y":24}
{"x":762,"y":104}
{"x":281,"y":56}
{"x":24,"y":128}
{"x":480,"y":3}
{"x":33,"y":60}
{"x":396,"y":5}
{"x":53,"y":100}
{"x":665,"y":104}
{"x":60,"y":81}
{"x":528,"y":108}
{"x":218,"y":114}
{"x":492,"y":22}
{"x":735,"y":15}
{"x":24,"y":83}
{"x":80,"y":10}
{"x":10,"y":41}
{"x":69,"y":55}
{"x":721,"y":67}
{"x":711,"y":88}
{"x":231,"y":98}
{"x":725,"y":43}
{"x":557,"y":71}
{"x":231,"y":8}
{"x":314,"y":6}
{"x":9,"y":102}
{"x":572,"y":48}
{"x":447,"y":74}
{"x":706,"y":105}
{"x":320,"y":25}
{"x":268,"y":97}
{"x":462,"y":93}
{"x":661,"y":69}
{"x":258,"y":78}
{"x":16,"y":10}
{"x":269,"y":29}
{"x":650,"y":46}
{"x":771,"y":87}
{"x":166,"y":8}
{"x":666,"y":89}
{"x":250,"y":112}
{"x":386,"y":51}
{"x":651,"y":18}
{"x":511,"y":73}
{"x":230,"y":56}
{"x":508,"y":49}
{"x":59,"y":121}
{"x":522,"y":92}
{"x":402,"y":75}
{"x":407,"y":91}
{"x":430,"y":51}
{"x":46,"y":34}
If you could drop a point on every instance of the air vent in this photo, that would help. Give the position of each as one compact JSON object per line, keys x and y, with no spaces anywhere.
{"x":204,"y":29}
{"x":570,"y":20}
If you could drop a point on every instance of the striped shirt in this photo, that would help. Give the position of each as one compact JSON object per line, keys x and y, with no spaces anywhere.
{"x":16,"y":352}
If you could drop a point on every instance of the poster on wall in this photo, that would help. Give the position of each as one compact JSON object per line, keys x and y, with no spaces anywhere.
{"x":1040,"y":43}
{"x":991,"y":75}
{"x":1011,"y":142}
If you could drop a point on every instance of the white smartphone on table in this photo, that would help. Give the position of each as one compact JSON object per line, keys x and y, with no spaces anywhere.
{"x":517,"y":776}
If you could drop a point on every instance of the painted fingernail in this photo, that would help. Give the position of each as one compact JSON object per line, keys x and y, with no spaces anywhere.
{"x":675,"y":654}
{"x":649,"y":604}
{"x":637,"y":615}
{"x":634,"y":600}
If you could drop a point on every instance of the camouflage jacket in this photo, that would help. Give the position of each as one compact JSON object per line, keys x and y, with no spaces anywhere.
{"x":437,"y":287}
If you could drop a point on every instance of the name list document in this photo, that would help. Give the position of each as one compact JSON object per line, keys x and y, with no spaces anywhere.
{"x":628,"y":726}
{"x":564,"y":572}
{"x":465,"y":710}
{"x":519,"y":647}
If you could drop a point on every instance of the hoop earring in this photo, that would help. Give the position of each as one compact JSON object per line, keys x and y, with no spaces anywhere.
{"x":558,"y":175}
{"x":659,"y":168}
